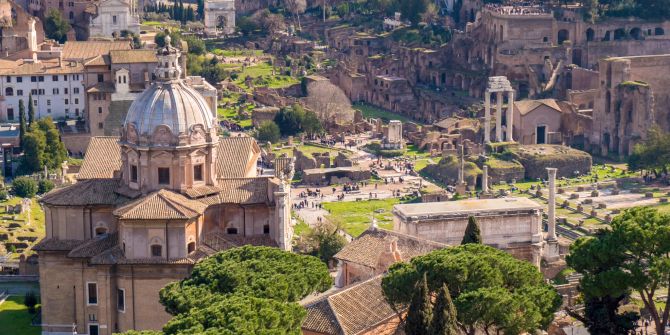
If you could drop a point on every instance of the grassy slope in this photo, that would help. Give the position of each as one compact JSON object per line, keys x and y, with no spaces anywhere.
{"x":370,"y":111}
{"x":15,"y":319}
{"x":355,"y":216}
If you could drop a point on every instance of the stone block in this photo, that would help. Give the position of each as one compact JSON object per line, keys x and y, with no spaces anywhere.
{"x":615,"y":192}
{"x":663,"y":200}
{"x":616,"y":211}
{"x":574,"y":196}
{"x":595,"y":193}
{"x":561,"y":190}
{"x":587,"y":201}
{"x":580,"y":189}
{"x":602,"y":205}
{"x":649,"y":195}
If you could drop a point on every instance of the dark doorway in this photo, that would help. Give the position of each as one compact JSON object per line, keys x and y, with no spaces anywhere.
{"x":563,"y":35}
{"x":541,"y":135}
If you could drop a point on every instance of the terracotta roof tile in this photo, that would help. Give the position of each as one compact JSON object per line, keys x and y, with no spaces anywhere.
{"x":52,"y":244}
{"x":115,"y":256}
{"x":85,"y":50}
{"x":526,"y":106}
{"x":95,"y":246}
{"x":241,"y":191}
{"x":367,"y":248}
{"x":133,"y":56}
{"x":354,"y":310}
{"x":161,"y":205}
{"x":219,"y":241}
{"x":86,"y":192}
{"x":102,"y":159}
{"x":42,"y":68}
{"x":235,"y":156}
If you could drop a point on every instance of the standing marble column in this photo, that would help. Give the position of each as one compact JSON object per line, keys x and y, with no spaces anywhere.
{"x":552,"y":205}
{"x":485,"y":179}
{"x":510,"y":116}
{"x":499,"y":98}
{"x":487,"y":117}
{"x":461,"y":166}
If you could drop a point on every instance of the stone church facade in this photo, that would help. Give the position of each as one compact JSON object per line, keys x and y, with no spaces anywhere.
{"x":147,"y":207}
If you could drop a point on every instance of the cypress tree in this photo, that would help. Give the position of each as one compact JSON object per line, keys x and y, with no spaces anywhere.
{"x":444,"y":314}
{"x":31,"y":110}
{"x":22,"y":122}
{"x":419,"y":313}
{"x":472,"y":233}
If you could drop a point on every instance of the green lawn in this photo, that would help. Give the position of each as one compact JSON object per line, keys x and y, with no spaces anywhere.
{"x":354,"y":217}
{"x":237,"y":53}
{"x":15,"y":319}
{"x":262,"y":76}
{"x":370,"y":111}
{"x":309,"y":150}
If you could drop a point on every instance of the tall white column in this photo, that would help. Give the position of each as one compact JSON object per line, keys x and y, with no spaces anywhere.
{"x":552,"y":204}
{"x":485,"y":179}
{"x":461,"y":166}
{"x":510,"y":116}
{"x":499,"y":98}
{"x":487,"y":116}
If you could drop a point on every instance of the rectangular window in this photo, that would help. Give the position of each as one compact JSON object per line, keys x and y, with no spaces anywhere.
{"x":92,"y":290}
{"x":65,"y":90}
{"x":19,"y":92}
{"x":121,"y":300}
{"x":266,"y":229}
{"x":164,"y":176}
{"x":41,"y":91}
{"x":156,"y":250}
{"x":197,"y":172}
{"x":76,"y":111}
{"x":49,"y":110}
{"x":48,"y":102}
{"x":100,"y":125}
{"x":67,"y":101}
{"x":10,"y":114}
{"x":40,"y":79}
{"x":54,"y":78}
{"x":114,"y":19}
{"x":33,"y":79}
{"x":9,"y":79}
{"x":75,"y":90}
{"x":33,"y":91}
{"x":76,"y":101}
{"x":99,"y":110}
{"x":231,"y":231}
{"x":55,"y":91}
{"x":101,"y":77}
{"x":19,"y":79}
{"x":93,"y":329}
{"x":133,"y":173}
{"x":65,"y":77}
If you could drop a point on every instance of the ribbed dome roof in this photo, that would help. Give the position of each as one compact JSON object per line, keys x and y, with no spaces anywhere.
{"x":173,"y":104}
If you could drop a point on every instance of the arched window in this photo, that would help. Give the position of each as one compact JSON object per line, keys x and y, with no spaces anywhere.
{"x":9,"y":92}
{"x":563,"y":35}
{"x":636,"y":33}
{"x":590,"y":35}
{"x":100,"y":231}
{"x":190,"y":247}
{"x":156,"y":250}
{"x":659,"y":31}
{"x":71,"y":15}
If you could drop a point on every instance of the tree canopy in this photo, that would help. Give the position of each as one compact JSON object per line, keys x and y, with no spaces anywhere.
{"x":472,"y":233}
{"x":55,"y":26}
{"x":653,"y":154}
{"x":633,"y":255}
{"x":42,"y":146}
{"x":490,"y":288}
{"x":246,"y":290}
{"x":268,"y":131}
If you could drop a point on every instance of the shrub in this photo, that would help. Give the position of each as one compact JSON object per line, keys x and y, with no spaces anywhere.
{"x":24,"y":187}
{"x":44,"y":186}
{"x":30,"y":300}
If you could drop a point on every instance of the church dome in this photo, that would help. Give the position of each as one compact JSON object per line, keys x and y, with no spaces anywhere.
{"x":169,"y":109}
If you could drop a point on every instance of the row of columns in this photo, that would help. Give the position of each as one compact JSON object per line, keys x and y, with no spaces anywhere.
{"x":499,"y":107}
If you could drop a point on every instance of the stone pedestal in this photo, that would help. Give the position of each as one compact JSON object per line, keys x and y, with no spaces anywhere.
{"x":551,"y":251}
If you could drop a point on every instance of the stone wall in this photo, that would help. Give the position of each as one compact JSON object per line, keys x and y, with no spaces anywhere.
{"x":537,"y":158}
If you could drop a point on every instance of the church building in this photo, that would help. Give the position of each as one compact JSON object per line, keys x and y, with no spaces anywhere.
{"x":149,"y":205}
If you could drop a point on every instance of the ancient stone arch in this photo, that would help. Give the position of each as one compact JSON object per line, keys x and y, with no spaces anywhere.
{"x":563,"y":35}
{"x":636,"y":33}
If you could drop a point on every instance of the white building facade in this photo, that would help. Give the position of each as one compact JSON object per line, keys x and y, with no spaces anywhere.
{"x":114,"y":16}
{"x":56,"y":91}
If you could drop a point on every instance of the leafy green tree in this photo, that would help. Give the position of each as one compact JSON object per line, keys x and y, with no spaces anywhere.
{"x":31,"y":111}
{"x":55,"y":26}
{"x":246,"y":290}
{"x":289,"y":120}
{"x":141,"y":332}
{"x":22,"y":122}
{"x":311,"y":124}
{"x":490,"y":288}
{"x":325,"y":241}
{"x":34,"y":144}
{"x":634,"y":254}
{"x":195,"y":45}
{"x":411,"y":10}
{"x":44,"y":186}
{"x":419,"y":314}
{"x":444,"y":314}
{"x":653,"y":154}
{"x":55,"y":152}
{"x":472,"y":233}
{"x":175,"y":37}
{"x":24,"y":187}
{"x":268,"y":131}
